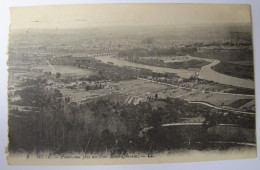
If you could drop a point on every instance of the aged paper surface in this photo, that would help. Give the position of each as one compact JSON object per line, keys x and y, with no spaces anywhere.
{"x":130,"y":84}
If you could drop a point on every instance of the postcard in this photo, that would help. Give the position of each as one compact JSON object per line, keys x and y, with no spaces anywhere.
{"x":103,"y":84}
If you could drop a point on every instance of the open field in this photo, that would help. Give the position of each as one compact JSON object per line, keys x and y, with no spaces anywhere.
{"x":240,"y":102}
{"x":169,"y":59}
{"x":178,"y":62}
{"x":137,"y":88}
{"x":65,"y":70}
{"x":215,"y":97}
{"x":249,"y":104}
{"x":238,"y":69}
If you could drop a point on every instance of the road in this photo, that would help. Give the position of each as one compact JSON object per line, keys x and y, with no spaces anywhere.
{"x":191,"y":89}
{"x":184,"y":124}
{"x":205,"y":103}
{"x":220,"y":108}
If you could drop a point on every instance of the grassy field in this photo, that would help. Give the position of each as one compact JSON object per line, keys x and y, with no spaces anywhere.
{"x":66,"y":70}
{"x":213,"y":98}
{"x":239,"y":103}
{"x":187,"y":64}
{"x":180,"y":64}
{"x":241,"y":70}
{"x":217,"y":99}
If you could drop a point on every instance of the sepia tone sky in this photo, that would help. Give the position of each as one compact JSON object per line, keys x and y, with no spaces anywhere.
{"x":80,"y":16}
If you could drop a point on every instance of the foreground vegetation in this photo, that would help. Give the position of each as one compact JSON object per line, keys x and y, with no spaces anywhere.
{"x":58,"y":125}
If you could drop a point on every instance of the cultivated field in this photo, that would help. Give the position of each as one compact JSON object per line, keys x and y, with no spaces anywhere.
{"x":133,"y":88}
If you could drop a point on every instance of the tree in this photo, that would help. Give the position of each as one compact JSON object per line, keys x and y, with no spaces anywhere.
{"x":108,"y":139}
{"x":58,"y":75}
{"x":155,"y":119}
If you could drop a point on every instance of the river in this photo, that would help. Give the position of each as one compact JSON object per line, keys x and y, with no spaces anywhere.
{"x":208,"y":74}
{"x":184,"y":73}
{"x":205,"y":72}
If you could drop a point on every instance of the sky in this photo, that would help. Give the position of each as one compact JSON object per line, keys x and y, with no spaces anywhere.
{"x":105,"y":15}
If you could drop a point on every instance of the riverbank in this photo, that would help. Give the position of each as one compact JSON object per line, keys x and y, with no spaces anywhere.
{"x":205,"y":72}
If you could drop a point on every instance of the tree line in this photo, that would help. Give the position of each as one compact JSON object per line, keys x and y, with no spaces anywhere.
{"x":142,"y":52}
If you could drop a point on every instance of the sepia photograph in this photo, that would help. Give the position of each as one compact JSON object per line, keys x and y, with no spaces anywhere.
{"x":112,"y":84}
